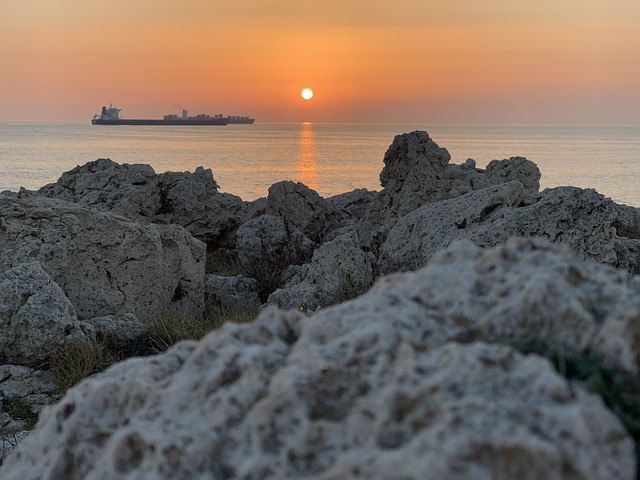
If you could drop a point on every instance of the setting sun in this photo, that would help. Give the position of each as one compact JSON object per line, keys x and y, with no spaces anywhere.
{"x":307,"y":94}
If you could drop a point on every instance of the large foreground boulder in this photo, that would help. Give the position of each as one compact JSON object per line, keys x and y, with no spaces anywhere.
{"x":379,"y":387}
{"x":104,"y":263}
{"x":188,"y":199}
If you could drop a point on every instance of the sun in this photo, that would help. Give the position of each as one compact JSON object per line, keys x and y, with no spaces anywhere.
{"x":307,"y":94}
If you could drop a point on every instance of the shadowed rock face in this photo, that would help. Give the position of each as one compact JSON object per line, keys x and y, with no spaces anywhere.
{"x":104,"y":263}
{"x":379,"y":387}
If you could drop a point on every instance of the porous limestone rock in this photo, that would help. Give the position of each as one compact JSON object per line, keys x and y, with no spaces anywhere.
{"x":354,"y":203}
{"x":582,"y":219}
{"x":373,"y":388}
{"x":266,"y":246}
{"x":136,"y":191}
{"x":35,"y":316}
{"x":123,"y":334}
{"x":339,"y":270}
{"x":235,"y":294}
{"x":104,"y":263}
{"x":417,"y":172}
{"x":302,"y":207}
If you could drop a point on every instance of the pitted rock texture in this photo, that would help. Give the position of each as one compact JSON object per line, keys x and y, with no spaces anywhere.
{"x":35,"y":316}
{"x":339,"y":270}
{"x":188,"y":199}
{"x":104,"y":263}
{"x":232,"y":294}
{"x":581,"y":219}
{"x":374,"y":388}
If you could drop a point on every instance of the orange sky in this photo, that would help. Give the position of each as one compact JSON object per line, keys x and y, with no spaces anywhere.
{"x":411,"y":61}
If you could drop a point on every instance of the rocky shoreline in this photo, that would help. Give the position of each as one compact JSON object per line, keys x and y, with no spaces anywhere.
{"x":454,"y":324}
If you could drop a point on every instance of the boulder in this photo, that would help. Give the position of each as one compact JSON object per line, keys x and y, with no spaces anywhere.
{"x":123,"y":334}
{"x":235,"y":294}
{"x":377,"y":387}
{"x":188,"y":199}
{"x":266,"y":246}
{"x":303,"y":208}
{"x":582,"y":219}
{"x":355,"y":203}
{"x":339,"y":270}
{"x":35,"y":316}
{"x":104,"y":263}
{"x":417,"y":172}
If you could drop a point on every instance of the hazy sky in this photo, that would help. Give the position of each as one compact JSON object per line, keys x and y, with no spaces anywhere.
{"x":390,"y":61}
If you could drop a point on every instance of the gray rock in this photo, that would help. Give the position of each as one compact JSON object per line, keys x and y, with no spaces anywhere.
{"x":266,"y":246}
{"x":582,"y":219}
{"x":104,"y":263}
{"x":35,"y":316}
{"x":356,"y":203}
{"x":237,"y":294}
{"x":339,"y":270}
{"x":123,"y":334}
{"x":136,"y":191}
{"x":302,"y":207}
{"x":372,"y":388}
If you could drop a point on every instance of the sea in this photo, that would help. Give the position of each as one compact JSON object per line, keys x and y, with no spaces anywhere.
{"x":329,"y":158}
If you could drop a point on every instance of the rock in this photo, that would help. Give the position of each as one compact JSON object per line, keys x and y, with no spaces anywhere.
{"x":123,"y":334}
{"x":582,"y":219}
{"x":355,"y":203}
{"x":339,"y":270}
{"x":35,"y":316}
{"x":236,"y":294}
{"x":104,"y":263}
{"x":24,"y":392}
{"x":266,"y":246}
{"x":137,"y":192}
{"x":417,"y":173}
{"x":373,"y":388}
{"x":303,"y":208}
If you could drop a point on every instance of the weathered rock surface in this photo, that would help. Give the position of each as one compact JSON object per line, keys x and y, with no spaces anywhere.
{"x":417,"y":172}
{"x":356,"y":203}
{"x":188,"y":199}
{"x":236,"y":293}
{"x":266,"y":246}
{"x":339,"y":270}
{"x":35,"y":316}
{"x":373,"y":388}
{"x":123,"y":334}
{"x":104,"y":263}
{"x":582,"y":219}
{"x":24,"y":392}
{"x":302,"y":207}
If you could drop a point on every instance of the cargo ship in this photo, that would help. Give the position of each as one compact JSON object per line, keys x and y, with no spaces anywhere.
{"x":111,"y":116}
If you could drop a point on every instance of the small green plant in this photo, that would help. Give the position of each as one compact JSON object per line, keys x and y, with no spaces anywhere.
{"x":221,"y":261}
{"x":166,"y":204}
{"x":19,"y":409}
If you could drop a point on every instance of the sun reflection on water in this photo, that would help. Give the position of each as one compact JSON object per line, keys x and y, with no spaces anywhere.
{"x":307,"y":165}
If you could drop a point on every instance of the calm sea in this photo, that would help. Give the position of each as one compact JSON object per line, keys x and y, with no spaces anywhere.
{"x":330,"y":158}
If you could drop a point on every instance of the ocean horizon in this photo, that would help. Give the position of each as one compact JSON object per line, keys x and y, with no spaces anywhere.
{"x":331,"y":158}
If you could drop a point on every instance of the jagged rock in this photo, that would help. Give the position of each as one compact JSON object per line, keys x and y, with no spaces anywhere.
{"x":266,"y":246}
{"x":372,"y":388}
{"x":417,"y":172}
{"x":339,"y":270}
{"x":302,"y":207}
{"x":104,"y":263}
{"x":355,"y":203}
{"x":581,"y":219}
{"x":136,"y":191}
{"x":123,"y":333}
{"x":237,"y":294}
{"x":35,"y":316}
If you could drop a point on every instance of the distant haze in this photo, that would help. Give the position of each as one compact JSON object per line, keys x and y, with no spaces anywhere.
{"x":403,"y":61}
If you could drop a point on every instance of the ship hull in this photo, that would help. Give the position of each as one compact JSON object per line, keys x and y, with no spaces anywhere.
{"x":180,"y":121}
{"x":244,"y":121}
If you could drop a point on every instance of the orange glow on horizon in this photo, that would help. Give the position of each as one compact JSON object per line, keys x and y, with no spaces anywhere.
{"x":412,"y":61}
